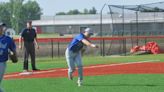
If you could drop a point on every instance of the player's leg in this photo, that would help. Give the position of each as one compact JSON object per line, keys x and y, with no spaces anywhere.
{"x":26,"y":55}
{"x":80,"y":68}
{"x":32,"y":54}
{"x":2,"y":71}
{"x":70,"y":62}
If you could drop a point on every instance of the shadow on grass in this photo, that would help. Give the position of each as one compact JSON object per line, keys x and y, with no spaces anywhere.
{"x":148,"y":85}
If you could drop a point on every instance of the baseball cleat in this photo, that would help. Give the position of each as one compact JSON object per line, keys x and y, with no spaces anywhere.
{"x":79,"y":83}
{"x":70,"y":77}
{"x":36,"y":69}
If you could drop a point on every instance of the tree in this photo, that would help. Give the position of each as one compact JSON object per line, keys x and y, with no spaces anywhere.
{"x":31,"y":11}
{"x":16,"y":17}
{"x":76,"y":12}
{"x":5,"y":13}
{"x":73,"y":12}
{"x":61,"y":13}
{"x":93,"y":10}
{"x":86,"y":11}
{"x":15,"y":13}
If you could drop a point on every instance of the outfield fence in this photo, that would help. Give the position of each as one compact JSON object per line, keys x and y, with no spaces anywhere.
{"x":55,"y":47}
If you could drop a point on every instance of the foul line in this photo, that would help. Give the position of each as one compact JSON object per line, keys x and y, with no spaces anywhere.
{"x":122,"y":64}
{"x":96,"y":66}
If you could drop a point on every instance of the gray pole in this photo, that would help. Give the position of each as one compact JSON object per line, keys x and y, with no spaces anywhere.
{"x":101,"y":41}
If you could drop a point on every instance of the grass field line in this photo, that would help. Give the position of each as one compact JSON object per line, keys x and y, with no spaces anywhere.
{"x":39,"y":72}
{"x":13,"y":75}
{"x":49,"y":71}
{"x":88,"y":67}
{"x":119,"y":64}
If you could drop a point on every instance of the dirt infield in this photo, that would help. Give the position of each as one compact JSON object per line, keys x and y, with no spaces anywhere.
{"x":123,"y":68}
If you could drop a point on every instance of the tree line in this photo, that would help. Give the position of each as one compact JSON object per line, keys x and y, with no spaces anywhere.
{"x":76,"y":12}
{"x":15,"y":13}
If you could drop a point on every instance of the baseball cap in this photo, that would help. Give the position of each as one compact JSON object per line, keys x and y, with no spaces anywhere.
{"x":2,"y":24}
{"x":89,"y":30}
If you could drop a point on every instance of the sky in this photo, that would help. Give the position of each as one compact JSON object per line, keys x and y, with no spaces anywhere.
{"x":51,"y":7}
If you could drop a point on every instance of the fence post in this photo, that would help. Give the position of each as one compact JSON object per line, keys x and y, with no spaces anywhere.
{"x":58,"y":49}
{"x":52,"y":48}
{"x":103,"y":47}
{"x":145,"y":40}
{"x":124,"y":46}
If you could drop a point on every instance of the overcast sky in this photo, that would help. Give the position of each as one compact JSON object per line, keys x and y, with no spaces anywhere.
{"x":50,"y":7}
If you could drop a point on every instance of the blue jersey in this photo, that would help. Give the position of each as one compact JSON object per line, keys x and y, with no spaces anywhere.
{"x":6,"y":43}
{"x":77,"y":44}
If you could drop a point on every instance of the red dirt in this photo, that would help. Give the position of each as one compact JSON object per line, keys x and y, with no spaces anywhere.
{"x":134,"y":68}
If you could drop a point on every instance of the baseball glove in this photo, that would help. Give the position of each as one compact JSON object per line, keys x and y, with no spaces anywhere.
{"x":13,"y":57}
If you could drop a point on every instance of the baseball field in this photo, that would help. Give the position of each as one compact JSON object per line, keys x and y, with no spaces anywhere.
{"x":141,"y":73}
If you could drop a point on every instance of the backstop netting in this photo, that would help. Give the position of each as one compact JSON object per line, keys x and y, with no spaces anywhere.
{"x":132,"y":21}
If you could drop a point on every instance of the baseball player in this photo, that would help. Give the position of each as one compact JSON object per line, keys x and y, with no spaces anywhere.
{"x":73,"y":54}
{"x":8,"y":31}
{"x":5,"y":44}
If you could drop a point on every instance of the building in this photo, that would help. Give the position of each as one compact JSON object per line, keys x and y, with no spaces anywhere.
{"x":144,"y":24}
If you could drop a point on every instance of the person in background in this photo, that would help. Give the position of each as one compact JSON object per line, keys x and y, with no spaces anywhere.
{"x":29,"y":37}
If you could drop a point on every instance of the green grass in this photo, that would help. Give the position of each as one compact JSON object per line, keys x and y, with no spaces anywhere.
{"x":109,"y":83}
{"x":106,"y":83}
{"x":48,"y":63}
